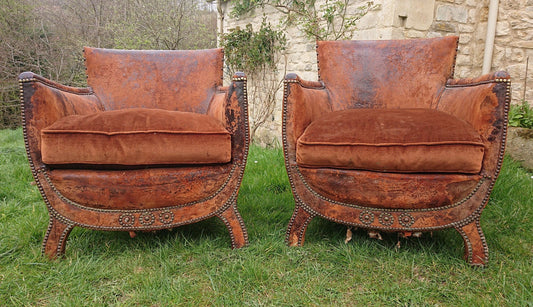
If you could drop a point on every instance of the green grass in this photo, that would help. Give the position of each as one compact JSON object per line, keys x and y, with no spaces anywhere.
{"x":193,"y":265}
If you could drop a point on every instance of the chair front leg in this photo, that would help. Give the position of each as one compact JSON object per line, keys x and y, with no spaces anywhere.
{"x":476,"y":250}
{"x":298,"y":226}
{"x":233,"y":221}
{"x":56,"y":238}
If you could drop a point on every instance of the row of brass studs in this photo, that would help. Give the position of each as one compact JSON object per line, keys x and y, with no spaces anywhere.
{"x":405,"y":219}
{"x":146,"y":218}
{"x":233,"y":199}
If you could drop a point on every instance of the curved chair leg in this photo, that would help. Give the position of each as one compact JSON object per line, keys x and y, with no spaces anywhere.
{"x":476,"y":250}
{"x":233,"y":221}
{"x":56,"y":237}
{"x":298,"y":226}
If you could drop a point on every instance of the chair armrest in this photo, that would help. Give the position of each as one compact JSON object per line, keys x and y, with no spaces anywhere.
{"x":44,"y":101}
{"x":303,"y":102}
{"x":484,"y":103}
{"x":218,"y":104}
{"x":230,"y":106}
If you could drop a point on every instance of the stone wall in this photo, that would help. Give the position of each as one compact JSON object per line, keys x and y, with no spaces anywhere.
{"x":403,"y":19}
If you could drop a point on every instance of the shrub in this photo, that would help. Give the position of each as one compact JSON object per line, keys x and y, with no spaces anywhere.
{"x":521,"y":115}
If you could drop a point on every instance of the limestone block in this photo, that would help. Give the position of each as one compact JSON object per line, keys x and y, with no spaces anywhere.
{"x":517,"y":71}
{"x":369,"y":21}
{"x":379,"y":33}
{"x":472,"y":15}
{"x":414,"y":34}
{"x":465,"y":38}
{"x":518,"y":54}
{"x":434,"y":34}
{"x":498,"y":56}
{"x":481,"y":32}
{"x":417,"y":14}
{"x":442,"y":26}
{"x":464,"y":50}
{"x":387,"y":13}
{"x":462,"y":72}
{"x":447,"y":12}
{"x":511,"y":4}
{"x":522,"y":23}
{"x":465,"y":28}
{"x":523,"y":44}
{"x":503,"y":28}
{"x":463,"y":59}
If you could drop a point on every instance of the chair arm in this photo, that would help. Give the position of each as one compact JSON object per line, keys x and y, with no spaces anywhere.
{"x":45,"y":101}
{"x":484,"y":103}
{"x":303,"y":102}
{"x":217,"y":105}
{"x":488,"y":78}
{"x":230,"y":106}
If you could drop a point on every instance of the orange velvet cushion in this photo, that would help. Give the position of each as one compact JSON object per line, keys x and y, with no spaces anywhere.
{"x":136,"y":137}
{"x":391,"y":140}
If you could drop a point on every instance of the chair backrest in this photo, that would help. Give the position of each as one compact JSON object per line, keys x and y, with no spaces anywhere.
{"x":178,"y":80}
{"x":387,"y":73}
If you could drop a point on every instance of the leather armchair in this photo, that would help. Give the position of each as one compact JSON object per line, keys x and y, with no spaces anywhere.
{"x":388,"y":141}
{"x":154,"y":142}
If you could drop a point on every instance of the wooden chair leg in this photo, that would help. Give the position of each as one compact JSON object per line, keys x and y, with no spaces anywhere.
{"x":237,"y":230}
{"x":298,"y":226}
{"x":56,"y":237}
{"x":476,"y":250}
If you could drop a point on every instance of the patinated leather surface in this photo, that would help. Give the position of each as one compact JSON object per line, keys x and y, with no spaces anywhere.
{"x":154,"y":79}
{"x":382,"y":74}
{"x":389,"y":190}
{"x":136,"y":136}
{"x":156,"y":187}
{"x":391,"y":140}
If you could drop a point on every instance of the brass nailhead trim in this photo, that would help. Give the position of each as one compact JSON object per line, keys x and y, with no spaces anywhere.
{"x":386,"y":219}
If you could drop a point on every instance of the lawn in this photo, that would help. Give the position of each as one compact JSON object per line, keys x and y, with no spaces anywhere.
{"x":193,"y":265}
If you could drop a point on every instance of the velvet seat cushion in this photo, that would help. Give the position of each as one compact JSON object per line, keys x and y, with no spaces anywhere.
{"x":136,"y":137}
{"x":391,"y":140}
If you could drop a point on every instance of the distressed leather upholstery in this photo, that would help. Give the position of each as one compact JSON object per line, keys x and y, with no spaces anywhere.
{"x":154,"y":142}
{"x":387,"y":140}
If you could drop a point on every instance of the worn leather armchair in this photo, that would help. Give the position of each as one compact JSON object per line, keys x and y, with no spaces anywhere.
{"x":154,"y":142}
{"x":388,"y":141}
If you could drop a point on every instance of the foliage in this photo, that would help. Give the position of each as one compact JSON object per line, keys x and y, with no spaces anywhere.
{"x":521,"y":115}
{"x":47,"y":36}
{"x":257,"y":53}
{"x":250,"y":51}
{"x":328,"y":21}
{"x":193,"y":265}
